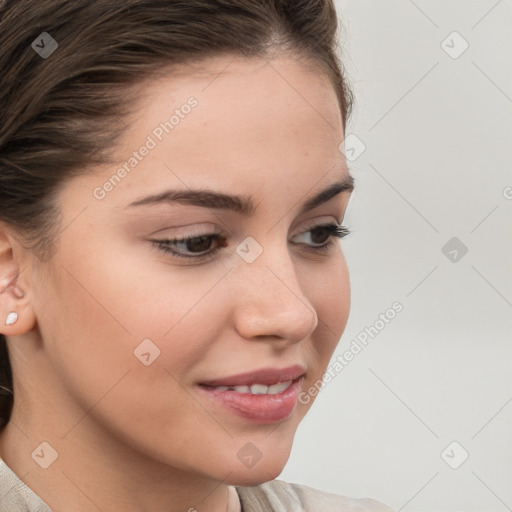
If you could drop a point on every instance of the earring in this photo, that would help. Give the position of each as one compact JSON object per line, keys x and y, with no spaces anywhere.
{"x":11,"y":318}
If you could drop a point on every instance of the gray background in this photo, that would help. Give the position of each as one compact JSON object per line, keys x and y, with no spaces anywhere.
{"x":438,"y":131}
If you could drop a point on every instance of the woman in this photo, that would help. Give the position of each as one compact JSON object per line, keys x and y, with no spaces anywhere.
{"x":171,"y":195}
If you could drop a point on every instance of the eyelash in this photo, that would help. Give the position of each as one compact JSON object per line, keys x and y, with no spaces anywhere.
{"x":336,"y":231}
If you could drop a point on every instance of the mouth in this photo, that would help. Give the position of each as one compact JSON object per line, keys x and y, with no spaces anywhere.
{"x":263,"y":396}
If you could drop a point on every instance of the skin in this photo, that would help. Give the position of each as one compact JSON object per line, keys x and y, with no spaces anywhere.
{"x":140,"y":438}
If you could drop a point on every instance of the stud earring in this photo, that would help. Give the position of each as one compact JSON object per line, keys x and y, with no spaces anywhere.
{"x":11,"y":318}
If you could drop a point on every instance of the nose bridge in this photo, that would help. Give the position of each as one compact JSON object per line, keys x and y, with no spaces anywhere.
{"x":271,"y":301}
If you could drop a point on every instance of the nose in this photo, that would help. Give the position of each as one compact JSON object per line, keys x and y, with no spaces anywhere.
{"x":270,"y":302}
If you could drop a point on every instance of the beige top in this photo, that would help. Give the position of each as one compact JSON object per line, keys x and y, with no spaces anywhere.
{"x":273,"y":496}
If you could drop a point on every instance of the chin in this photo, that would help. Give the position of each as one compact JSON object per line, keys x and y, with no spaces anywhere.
{"x":269,"y":466}
{"x":256,"y":475}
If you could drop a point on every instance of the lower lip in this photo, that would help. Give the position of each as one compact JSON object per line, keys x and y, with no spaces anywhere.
{"x":258,"y":408}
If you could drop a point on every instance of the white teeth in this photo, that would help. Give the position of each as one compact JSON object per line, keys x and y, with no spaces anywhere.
{"x":279,"y":387}
{"x":258,"y":389}
{"x":242,"y":389}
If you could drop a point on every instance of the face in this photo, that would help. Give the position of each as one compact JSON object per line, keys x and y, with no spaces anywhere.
{"x":131,"y":330}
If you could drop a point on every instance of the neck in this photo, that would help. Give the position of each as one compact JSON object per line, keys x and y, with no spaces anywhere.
{"x":95,"y":473}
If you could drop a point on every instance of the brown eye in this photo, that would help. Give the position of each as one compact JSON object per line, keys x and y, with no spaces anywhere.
{"x":323,"y":236}
{"x":197,"y":246}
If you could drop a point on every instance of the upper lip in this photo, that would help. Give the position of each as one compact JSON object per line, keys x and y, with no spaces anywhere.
{"x":266,"y":376}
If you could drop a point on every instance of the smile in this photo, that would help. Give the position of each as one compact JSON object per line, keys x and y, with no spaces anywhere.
{"x":258,"y":389}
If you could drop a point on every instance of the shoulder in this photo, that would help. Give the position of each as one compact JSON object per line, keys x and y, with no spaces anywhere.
{"x":278,"y":496}
{"x":15,"y":496}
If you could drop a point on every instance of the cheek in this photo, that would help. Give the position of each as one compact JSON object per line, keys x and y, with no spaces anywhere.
{"x":100,"y":315}
{"x":106,"y":306}
{"x":330,"y":296}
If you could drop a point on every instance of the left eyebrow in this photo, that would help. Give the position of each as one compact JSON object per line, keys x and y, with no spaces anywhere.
{"x":236,"y":203}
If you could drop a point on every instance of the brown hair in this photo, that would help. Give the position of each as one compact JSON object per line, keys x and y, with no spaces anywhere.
{"x":63,"y":113}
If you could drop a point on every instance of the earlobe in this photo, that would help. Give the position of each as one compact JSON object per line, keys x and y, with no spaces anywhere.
{"x":16,"y":315}
{"x":16,"y":312}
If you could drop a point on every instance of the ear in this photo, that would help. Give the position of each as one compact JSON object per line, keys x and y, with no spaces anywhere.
{"x":14,"y":291}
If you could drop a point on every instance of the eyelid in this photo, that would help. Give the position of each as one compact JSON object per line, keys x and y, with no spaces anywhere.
{"x":195,"y":229}
{"x":209,"y":228}
{"x":319,"y":221}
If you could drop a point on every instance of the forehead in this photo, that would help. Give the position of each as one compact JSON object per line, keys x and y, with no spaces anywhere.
{"x":249,"y":121}
{"x":242,"y":93}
